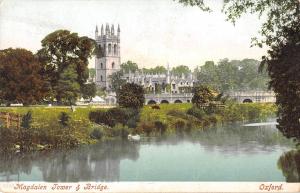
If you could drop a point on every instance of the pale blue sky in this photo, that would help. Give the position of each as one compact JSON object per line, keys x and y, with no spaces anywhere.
{"x":153,"y":32}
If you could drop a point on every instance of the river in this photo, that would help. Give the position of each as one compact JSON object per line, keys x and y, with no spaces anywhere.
{"x":232,"y":152}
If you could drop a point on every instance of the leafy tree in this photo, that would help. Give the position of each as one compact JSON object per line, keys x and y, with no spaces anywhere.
{"x":208,"y":74}
{"x":117,"y":81}
{"x":63,"y":50}
{"x":179,"y":70}
{"x":280,"y":33}
{"x":21,"y":78}
{"x":131,"y":95}
{"x":68,"y":89}
{"x":129,"y":66}
{"x":88,"y":90}
{"x":156,"y":70}
{"x":203,"y":95}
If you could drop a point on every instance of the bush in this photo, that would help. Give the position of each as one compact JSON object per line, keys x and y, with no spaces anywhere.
{"x":64,"y":119}
{"x":96,"y":134}
{"x":101,"y":117}
{"x":196,"y":112}
{"x":155,"y":107}
{"x":124,"y":116}
{"x":7,"y":139}
{"x":27,"y":120}
{"x":120,"y":131}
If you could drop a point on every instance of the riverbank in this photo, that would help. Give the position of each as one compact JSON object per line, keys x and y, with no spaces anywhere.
{"x":60,"y":127}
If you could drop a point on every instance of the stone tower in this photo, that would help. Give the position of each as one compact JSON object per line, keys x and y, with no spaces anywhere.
{"x":108,"y":57}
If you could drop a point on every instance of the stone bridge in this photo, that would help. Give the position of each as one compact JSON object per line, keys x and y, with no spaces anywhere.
{"x":168,"y":98}
{"x":253,"y":96}
{"x":239,"y":96}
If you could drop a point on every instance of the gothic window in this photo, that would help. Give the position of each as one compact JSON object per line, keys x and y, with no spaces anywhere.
{"x":109,"y":48}
{"x":115,"y":49}
{"x":101,"y":66}
{"x":113,"y":65}
{"x":101,"y":78}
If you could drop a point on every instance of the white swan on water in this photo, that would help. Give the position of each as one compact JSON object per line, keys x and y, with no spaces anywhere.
{"x":134,"y":137}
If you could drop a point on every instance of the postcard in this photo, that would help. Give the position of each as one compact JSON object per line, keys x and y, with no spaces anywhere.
{"x":149,"y":96}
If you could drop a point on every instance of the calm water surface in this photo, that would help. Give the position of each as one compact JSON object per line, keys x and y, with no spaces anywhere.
{"x":226,"y":153}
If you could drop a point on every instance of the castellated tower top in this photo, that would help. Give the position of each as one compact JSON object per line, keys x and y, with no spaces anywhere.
{"x":108,"y":32}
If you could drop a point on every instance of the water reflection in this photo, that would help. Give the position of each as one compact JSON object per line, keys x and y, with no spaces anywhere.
{"x":99,"y":162}
{"x":123,"y":160}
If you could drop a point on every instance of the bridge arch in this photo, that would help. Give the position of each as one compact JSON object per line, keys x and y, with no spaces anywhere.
{"x":247,"y":100}
{"x":164,"y":102}
{"x":177,"y":101}
{"x":151,"y":102}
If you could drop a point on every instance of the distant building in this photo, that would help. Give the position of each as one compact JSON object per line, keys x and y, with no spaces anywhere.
{"x":108,"y":61}
{"x":162,"y":83}
{"x":108,"y":55}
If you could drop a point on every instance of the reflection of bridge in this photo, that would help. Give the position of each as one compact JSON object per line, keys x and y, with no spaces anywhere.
{"x":240,"y":96}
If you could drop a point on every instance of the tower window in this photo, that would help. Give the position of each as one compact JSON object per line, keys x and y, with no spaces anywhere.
{"x":113,"y":65}
{"x":101,"y":66}
{"x":101,"y":78}
{"x":109,"y":48}
{"x":115,"y":49}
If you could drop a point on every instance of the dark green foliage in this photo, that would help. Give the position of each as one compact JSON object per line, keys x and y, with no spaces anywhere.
{"x":64,"y":119}
{"x":196,"y":112}
{"x":117,"y":81}
{"x":131,"y":96}
{"x":124,"y":116}
{"x":96,"y":134}
{"x":102,"y":117}
{"x":27,"y":120}
{"x":64,"y":56}
{"x":88,"y":90}
{"x":233,"y":75}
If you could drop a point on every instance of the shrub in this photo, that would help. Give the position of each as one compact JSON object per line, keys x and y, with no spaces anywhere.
{"x":96,"y":134}
{"x":120,"y":130}
{"x":7,"y":139}
{"x":161,"y":127}
{"x":64,"y":119}
{"x":27,"y":120}
{"x":155,"y":107}
{"x":196,"y":112}
{"x":119,"y":115}
{"x":102,"y":117}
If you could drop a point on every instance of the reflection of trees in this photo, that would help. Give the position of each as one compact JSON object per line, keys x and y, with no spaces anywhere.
{"x":100,"y":162}
{"x":234,"y":139}
{"x":289,"y":163}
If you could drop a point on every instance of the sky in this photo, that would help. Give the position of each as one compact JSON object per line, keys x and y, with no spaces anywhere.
{"x":153,"y":32}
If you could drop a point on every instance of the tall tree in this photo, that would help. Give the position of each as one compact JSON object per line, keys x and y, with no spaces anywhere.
{"x":280,"y":32}
{"x":131,"y":95}
{"x":88,"y":90}
{"x":21,"y":78}
{"x":129,"y":66}
{"x":63,"y":50}
{"x":179,"y":70}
